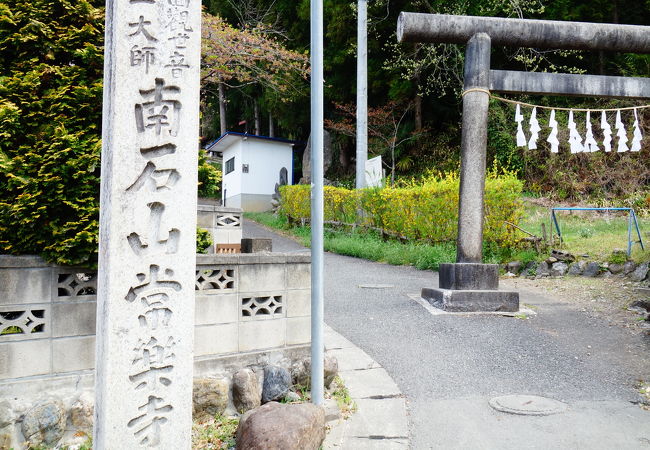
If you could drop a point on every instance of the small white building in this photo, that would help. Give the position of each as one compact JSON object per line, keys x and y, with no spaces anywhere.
{"x":252,"y":166}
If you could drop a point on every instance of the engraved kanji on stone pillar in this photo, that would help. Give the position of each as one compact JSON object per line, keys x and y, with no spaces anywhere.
{"x":146,"y":280}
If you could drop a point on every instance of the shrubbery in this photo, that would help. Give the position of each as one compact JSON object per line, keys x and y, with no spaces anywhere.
{"x":426,"y":212}
{"x":51,"y":66}
{"x":209,"y":178}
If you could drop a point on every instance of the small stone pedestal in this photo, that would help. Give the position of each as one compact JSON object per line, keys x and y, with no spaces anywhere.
{"x":471,"y":287}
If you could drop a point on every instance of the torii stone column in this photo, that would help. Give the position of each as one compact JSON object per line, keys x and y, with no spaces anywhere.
{"x":470,"y":285}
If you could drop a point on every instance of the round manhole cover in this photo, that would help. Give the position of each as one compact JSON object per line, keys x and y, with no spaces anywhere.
{"x":527,"y":405}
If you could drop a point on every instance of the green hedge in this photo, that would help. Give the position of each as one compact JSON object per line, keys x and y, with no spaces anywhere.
{"x":425,"y":212}
{"x":51,"y":65}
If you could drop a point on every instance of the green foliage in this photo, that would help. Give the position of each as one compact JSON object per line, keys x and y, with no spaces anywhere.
{"x":209,"y":178}
{"x":425,"y":211}
{"x":50,"y":121}
{"x":203,"y":240}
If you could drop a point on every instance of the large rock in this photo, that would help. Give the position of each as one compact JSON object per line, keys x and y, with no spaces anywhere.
{"x":561,"y":255}
{"x":592,"y":269}
{"x":301,"y":371}
{"x":209,"y":397}
{"x":559,"y":269}
{"x":44,"y":424}
{"x":640,"y":273}
{"x":246,"y":394}
{"x":629,"y":267}
{"x":616,"y":268}
{"x":514,"y":267}
{"x":274,"y":426}
{"x":306,"y":157}
{"x":6,"y":414}
{"x":577,"y":268}
{"x":542,"y":270}
{"x":277,"y":381}
{"x":529,"y":270}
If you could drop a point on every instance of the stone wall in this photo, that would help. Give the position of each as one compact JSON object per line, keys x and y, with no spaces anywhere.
{"x":249,"y":307}
{"x":224,"y":224}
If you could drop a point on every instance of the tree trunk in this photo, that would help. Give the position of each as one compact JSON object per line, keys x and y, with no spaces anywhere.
{"x":222,"y":109}
{"x":258,"y":121}
{"x":271,"y":125}
{"x":418,"y":112}
{"x":392,"y":165}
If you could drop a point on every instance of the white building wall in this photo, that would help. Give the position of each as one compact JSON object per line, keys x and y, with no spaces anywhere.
{"x":264,"y":159}
{"x":231,"y":185}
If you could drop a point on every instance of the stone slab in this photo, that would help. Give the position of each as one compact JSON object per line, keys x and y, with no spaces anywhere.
{"x":469,"y":276}
{"x":369,"y":383}
{"x":215,"y":309}
{"x":298,"y":330}
{"x":72,"y":354}
{"x":298,"y":303}
{"x":255,"y":245}
{"x":262,"y":334}
{"x":73,"y":319}
{"x":352,"y":359}
{"x":25,"y":285}
{"x":333,"y":340}
{"x":24,"y":359}
{"x":252,"y":277}
{"x":215,"y":339}
{"x":472,"y":300}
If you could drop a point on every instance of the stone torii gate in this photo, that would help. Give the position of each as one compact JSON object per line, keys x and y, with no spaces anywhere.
{"x":470,"y":285}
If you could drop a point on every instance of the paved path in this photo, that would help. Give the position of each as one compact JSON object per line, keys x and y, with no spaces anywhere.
{"x":449,"y":366}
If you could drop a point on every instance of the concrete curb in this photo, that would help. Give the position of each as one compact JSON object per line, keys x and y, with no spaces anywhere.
{"x":380,"y":421}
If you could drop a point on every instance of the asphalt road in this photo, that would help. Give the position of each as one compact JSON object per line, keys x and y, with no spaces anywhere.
{"x":450,"y":366}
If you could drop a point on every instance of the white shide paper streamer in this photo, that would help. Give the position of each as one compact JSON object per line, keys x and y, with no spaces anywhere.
{"x":552,"y":137}
{"x":621,"y":133}
{"x":521,"y":137}
{"x":637,"y":137}
{"x":534,"y":130}
{"x":607,"y":132}
{"x":590,"y":143}
{"x":575,"y":141}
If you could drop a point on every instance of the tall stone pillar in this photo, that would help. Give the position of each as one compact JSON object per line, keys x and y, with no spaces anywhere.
{"x":473,"y":149}
{"x":145,"y":317}
{"x":470,"y":285}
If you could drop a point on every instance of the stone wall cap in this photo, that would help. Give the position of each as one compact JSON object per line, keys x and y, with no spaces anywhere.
{"x":253,"y":258}
{"x":12,"y":261}
{"x":228,"y":210}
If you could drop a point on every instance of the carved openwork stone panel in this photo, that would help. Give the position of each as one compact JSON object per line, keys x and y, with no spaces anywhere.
{"x":266,"y":307}
{"x":229,"y":220}
{"x":79,"y":284}
{"x":216,"y":280}
{"x":23,"y":324}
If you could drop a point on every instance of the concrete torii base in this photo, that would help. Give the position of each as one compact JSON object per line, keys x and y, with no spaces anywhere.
{"x":470,"y":287}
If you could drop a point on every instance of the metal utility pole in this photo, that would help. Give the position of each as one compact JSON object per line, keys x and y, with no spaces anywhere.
{"x":317,"y":256}
{"x":362,"y":93}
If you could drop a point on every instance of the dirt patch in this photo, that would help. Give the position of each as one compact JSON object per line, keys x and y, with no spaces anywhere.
{"x":606,"y":298}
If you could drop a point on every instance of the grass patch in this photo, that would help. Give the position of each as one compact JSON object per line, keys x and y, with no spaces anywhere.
{"x":342,"y":396}
{"x":370,"y":245}
{"x":216,"y":433}
{"x":592,"y":233}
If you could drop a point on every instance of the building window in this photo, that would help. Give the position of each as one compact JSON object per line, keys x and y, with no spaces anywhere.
{"x":230,"y":165}
{"x":244,"y":168}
